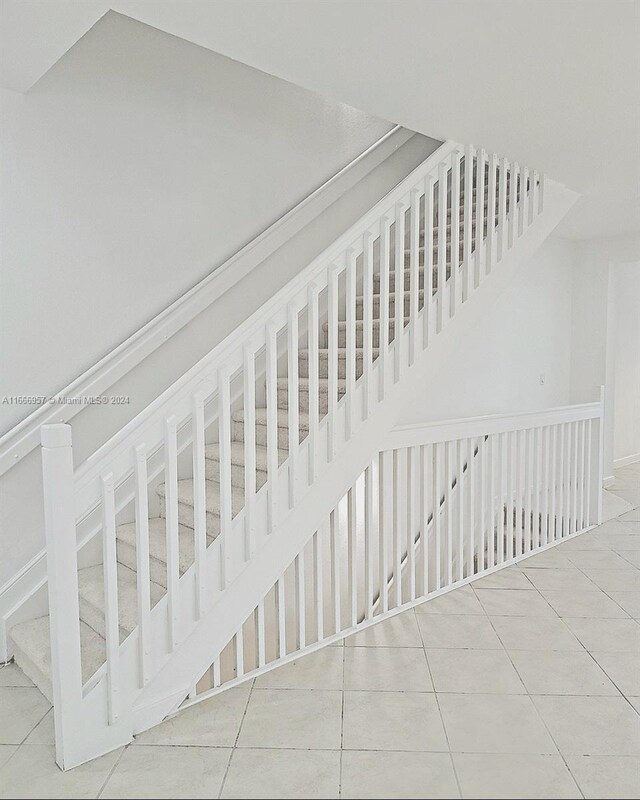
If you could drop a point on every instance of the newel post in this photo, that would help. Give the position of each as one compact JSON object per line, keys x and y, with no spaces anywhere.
{"x":62,"y":575}
{"x":600,"y":481}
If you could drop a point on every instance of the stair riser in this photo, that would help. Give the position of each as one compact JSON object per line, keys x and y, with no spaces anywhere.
{"x":303,"y":400}
{"x":392,"y":305}
{"x":342,"y":335}
{"x":185,"y":517}
{"x":157,"y":569}
{"x":323,"y":366}
{"x":212,"y":470}
{"x":237,"y":434}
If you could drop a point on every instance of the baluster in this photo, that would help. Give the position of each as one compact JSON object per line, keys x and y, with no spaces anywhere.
{"x":411,"y":524}
{"x":368,"y":540}
{"x":455,"y":285}
{"x":314,"y":387}
{"x":524,"y":200}
{"x":537,"y":485}
{"x":428,"y":259}
{"x":383,"y":313}
{"x":553,"y":484}
{"x":580,"y":524}
{"x":385,"y":517}
{"x":215,"y":673}
{"x":293,"y":385}
{"x":480,"y":216}
{"x":449,"y":473}
{"x":224,"y":451}
{"x":461,"y":491}
{"x":502,"y":480}
{"x":171,"y":503}
{"x":491,"y":215}
{"x":437,"y":511}
{"x":513,"y":203}
{"x":468,"y":222}
{"x":519,"y":503}
{"x":398,"y":484}
{"x":574,"y":478}
{"x":281,"y":610}
{"x":352,"y":558}
{"x":143,"y":577}
{"x":589,"y":467}
{"x":272,"y":423}
{"x":249,"y":376}
{"x":110,"y":576}
{"x":398,"y":287}
{"x":426,"y":492}
{"x":530,"y":487}
{"x":541,"y":180}
{"x":567,"y":483}
{"x":199,"y":502}
{"x":414,"y":276}
{"x":442,"y":242}
{"x":318,"y":585}
{"x":472,"y":502}
{"x":560,"y":522}
{"x":482,"y":482}
{"x":545,"y":485}
{"x":502,"y":217}
{"x":332,"y":341}
{"x":367,"y":321}
{"x":511,"y":469}
{"x":336,"y":577}
{"x":492,"y":501}
{"x":300,"y":601}
{"x":351,"y":339}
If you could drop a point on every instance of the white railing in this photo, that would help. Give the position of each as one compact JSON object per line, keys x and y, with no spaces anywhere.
{"x":451,"y":233}
{"x":445,"y":504}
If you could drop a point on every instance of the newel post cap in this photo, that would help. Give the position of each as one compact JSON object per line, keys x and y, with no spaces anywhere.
{"x":55,"y":435}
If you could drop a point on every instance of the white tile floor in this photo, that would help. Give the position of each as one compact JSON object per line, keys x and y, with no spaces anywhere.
{"x":525,"y":684}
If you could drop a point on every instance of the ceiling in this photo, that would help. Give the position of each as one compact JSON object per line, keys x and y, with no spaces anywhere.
{"x":553,"y":84}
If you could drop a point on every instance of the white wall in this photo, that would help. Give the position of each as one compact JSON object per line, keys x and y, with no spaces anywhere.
{"x":625,"y":321}
{"x":133,"y":168}
{"x":593,"y":328}
{"x":498,"y":366}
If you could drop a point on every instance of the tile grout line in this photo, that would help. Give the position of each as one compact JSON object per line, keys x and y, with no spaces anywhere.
{"x":235,"y":743}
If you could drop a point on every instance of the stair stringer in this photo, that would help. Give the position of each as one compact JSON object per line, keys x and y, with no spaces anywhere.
{"x":169,"y":687}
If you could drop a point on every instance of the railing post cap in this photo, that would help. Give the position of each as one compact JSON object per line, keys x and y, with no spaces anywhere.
{"x":55,"y":435}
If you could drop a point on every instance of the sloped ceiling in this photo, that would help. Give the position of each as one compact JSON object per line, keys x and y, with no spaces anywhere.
{"x":553,"y":84}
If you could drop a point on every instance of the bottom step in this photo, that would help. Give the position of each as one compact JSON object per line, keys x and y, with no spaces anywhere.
{"x":32,"y":652}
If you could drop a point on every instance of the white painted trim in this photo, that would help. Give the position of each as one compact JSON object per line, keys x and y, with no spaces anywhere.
{"x":25,"y":436}
{"x":608,"y":481}
{"x":622,"y":462}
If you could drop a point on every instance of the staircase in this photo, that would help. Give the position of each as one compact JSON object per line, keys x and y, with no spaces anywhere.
{"x":186,"y":497}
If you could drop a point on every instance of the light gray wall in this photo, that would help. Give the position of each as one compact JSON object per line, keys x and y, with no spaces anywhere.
{"x":91,"y":309}
{"x":132,"y":169}
{"x":499,"y":364}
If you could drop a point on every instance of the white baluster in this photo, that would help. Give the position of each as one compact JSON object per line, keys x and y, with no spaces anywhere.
{"x":471,"y":482}
{"x":314,"y":415}
{"x":442,"y":242}
{"x":502,"y":216}
{"x":199,"y":501}
{"x":336,"y":574}
{"x":437,"y":512}
{"x":281,"y":611}
{"x":553,"y":513}
{"x":383,"y":314}
{"x":224,"y":454}
{"x":535,"y":191}
{"x":513,"y":204}
{"x":480,"y":249}
{"x":426,"y":493}
{"x":368,"y":541}
{"x":491,"y":214}
{"x":352,"y":559}
{"x":455,"y":285}
{"x":318,"y":584}
{"x":260,"y":634}
{"x":428,"y":260}
{"x":238,"y":644}
{"x":351,"y":340}
{"x":143,"y":577}
{"x":111,"y":616}
{"x":332,"y":343}
{"x":272,"y":423}
{"x":385,"y":516}
{"x":171,"y":503}
{"x":410,"y":494}
{"x":541,"y":179}
{"x":468,"y":222}
{"x":462,"y":480}
{"x":414,"y":279}
{"x":589,"y":467}
{"x":524,"y":200}
{"x":249,"y":400}
{"x":293,"y":385}
{"x":301,"y":601}
{"x":398,"y":287}
{"x":399,"y":500}
{"x":367,"y":317}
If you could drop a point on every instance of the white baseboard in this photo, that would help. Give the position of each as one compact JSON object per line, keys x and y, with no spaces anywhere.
{"x":622,"y":462}
{"x":608,"y":481}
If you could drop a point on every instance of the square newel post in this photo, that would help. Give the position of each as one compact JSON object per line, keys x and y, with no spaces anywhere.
{"x":62,"y":576}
